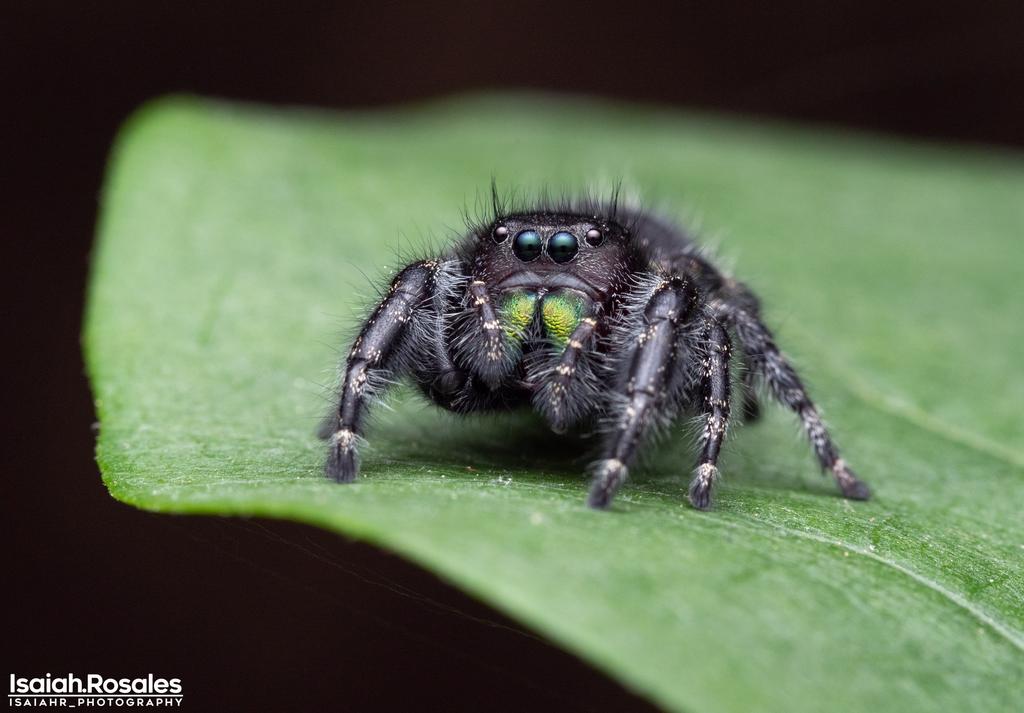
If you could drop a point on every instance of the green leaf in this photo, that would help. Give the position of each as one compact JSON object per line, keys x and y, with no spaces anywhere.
{"x":230,"y":264}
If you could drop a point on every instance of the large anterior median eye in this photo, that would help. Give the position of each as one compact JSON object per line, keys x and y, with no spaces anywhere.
{"x":563,"y":246}
{"x":527,"y":245}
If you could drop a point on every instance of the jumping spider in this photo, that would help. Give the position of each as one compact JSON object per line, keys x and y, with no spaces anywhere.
{"x":592,"y":313}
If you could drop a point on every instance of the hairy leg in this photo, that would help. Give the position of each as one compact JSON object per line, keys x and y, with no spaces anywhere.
{"x":375,"y":358}
{"x":751,"y":404}
{"x":785,"y":385}
{"x":738,"y":296}
{"x":715,"y":406}
{"x":567,"y":390}
{"x":636,"y":404}
{"x":480,"y":342}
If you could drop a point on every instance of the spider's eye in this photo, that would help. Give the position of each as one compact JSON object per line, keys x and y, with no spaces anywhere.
{"x":500,"y":233}
{"x":562,"y":247}
{"x":527,"y":245}
{"x":594,"y":237}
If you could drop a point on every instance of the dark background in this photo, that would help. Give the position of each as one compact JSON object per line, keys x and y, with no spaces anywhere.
{"x":256,"y":615}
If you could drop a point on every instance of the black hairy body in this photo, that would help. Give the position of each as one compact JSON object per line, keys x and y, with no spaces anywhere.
{"x":590,"y":313}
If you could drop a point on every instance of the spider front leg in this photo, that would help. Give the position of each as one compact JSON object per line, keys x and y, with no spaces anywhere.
{"x":637,"y":403}
{"x":570,"y":387}
{"x":781,"y":378}
{"x":481,"y":341}
{"x":715,"y":391}
{"x":375,"y":358}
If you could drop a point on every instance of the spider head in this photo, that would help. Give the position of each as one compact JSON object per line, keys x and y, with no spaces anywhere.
{"x":553,"y":249}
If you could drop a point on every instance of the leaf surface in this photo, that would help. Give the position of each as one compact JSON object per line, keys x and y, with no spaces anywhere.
{"x":239,"y":245}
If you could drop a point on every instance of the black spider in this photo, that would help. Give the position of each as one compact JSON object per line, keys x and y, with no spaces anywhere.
{"x":590,"y":312}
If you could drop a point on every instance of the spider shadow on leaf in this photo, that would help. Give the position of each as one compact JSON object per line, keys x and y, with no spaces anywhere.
{"x":514,"y":440}
{"x":519,"y":442}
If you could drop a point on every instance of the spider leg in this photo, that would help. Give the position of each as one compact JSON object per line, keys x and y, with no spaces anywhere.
{"x":482,"y":343}
{"x":563,"y":395}
{"x":782,"y":380}
{"x":440,"y":379}
{"x":738,"y":296}
{"x":751,"y":404}
{"x":467,"y":347}
{"x":715,"y":387}
{"x":377,"y":355}
{"x":637,"y":402}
